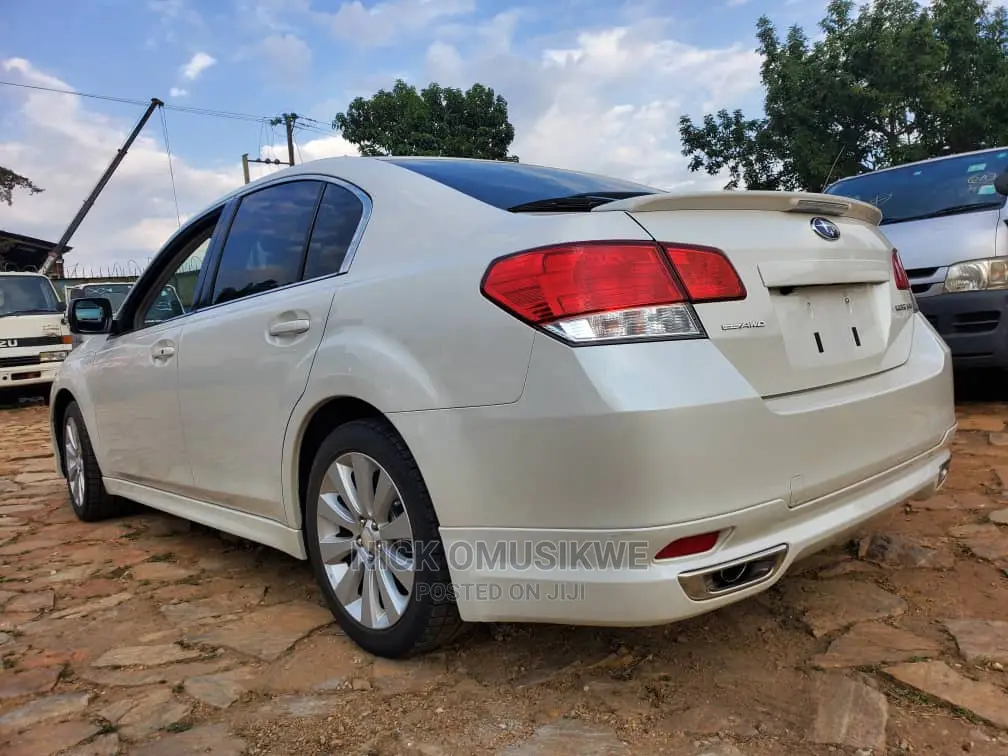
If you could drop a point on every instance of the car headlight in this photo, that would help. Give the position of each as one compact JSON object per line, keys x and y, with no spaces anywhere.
{"x":52,"y":356}
{"x":978,"y":275}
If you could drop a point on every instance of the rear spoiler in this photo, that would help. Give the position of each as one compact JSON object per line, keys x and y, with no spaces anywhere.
{"x":785,"y":202}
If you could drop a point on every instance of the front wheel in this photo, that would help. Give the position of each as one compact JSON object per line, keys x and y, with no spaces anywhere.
{"x":373,"y":542}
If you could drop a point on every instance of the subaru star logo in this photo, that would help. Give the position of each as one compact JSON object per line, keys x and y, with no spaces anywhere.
{"x":825,"y":229}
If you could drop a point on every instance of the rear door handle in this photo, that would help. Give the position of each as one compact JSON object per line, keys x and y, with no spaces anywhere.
{"x":289,"y":327}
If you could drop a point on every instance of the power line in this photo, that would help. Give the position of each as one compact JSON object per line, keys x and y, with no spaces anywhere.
{"x":109,"y":98}
{"x":78,"y":94}
{"x":171,"y":171}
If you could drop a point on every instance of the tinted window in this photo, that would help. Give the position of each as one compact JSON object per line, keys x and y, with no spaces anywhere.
{"x":335,"y":225}
{"x":266,"y":243}
{"x":504,"y":185}
{"x":921,"y":190}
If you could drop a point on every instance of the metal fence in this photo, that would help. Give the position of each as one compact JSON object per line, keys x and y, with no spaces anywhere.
{"x":77,"y":274}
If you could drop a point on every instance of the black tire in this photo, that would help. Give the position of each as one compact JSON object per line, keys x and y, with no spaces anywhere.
{"x":431,"y":617}
{"x":95,"y":502}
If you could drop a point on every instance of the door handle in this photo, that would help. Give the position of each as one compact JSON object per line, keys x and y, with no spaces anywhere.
{"x":289,"y":327}
{"x":162,"y":351}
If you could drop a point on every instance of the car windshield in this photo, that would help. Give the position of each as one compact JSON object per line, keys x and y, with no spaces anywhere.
{"x":27,"y":295}
{"x":948,"y":186}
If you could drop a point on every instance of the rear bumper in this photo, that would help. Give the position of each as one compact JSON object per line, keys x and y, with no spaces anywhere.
{"x":645,"y":444}
{"x":974,"y":324}
{"x":632,"y":590}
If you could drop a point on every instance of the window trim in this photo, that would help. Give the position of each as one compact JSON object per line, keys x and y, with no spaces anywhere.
{"x":206,"y":304}
{"x":150,"y":281}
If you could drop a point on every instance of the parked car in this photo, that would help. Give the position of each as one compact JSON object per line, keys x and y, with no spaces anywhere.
{"x":34,"y":338}
{"x":461,"y":387}
{"x":947,"y":218}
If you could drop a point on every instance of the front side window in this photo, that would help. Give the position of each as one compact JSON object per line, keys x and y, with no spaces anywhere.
{"x":176,"y":295}
{"x":27,"y":295}
{"x":336,"y":224}
{"x":266,"y":243}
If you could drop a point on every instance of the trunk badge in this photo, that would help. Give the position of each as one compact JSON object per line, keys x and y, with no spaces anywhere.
{"x":825,"y":229}
{"x":743,"y":324}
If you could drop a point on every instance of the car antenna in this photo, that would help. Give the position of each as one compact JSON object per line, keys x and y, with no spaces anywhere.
{"x":830,"y":174}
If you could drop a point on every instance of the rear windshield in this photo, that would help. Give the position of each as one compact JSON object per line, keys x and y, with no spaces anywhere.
{"x":912,"y":192}
{"x":27,"y":295}
{"x":504,"y":185}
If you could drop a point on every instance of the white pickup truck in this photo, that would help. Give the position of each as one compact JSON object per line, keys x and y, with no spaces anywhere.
{"x":34,"y":338}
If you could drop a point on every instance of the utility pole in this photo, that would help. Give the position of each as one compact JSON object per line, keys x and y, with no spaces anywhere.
{"x":266,"y":161}
{"x":57,"y":252}
{"x":288,"y":120}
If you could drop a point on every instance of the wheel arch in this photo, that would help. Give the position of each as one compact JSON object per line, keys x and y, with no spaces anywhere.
{"x":315,"y":428}
{"x":57,"y":412}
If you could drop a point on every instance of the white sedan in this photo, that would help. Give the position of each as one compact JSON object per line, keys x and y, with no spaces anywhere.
{"x":485,"y":391}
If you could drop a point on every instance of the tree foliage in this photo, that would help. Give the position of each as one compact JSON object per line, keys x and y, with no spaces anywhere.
{"x":11,"y":181}
{"x":889,"y":82}
{"x":436,"y":121}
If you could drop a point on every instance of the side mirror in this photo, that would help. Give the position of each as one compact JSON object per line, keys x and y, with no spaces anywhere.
{"x":90,"y":315}
{"x":1001,"y":184}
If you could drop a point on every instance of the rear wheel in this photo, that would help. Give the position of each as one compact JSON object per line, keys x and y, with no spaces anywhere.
{"x":88,"y":497}
{"x":372,"y":538}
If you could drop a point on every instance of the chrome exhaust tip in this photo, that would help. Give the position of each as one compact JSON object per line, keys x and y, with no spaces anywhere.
{"x":734,"y":576}
{"x":936,"y":485}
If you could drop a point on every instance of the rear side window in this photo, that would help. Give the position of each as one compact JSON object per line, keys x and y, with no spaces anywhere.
{"x":336,"y":224}
{"x":505,"y":185}
{"x":267,"y":239}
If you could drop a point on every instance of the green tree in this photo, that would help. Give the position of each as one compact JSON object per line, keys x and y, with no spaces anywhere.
{"x":436,"y":121}
{"x":11,"y":181}
{"x":889,"y":82}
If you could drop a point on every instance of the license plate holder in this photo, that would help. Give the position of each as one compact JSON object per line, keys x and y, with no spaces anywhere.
{"x":823,"y":325}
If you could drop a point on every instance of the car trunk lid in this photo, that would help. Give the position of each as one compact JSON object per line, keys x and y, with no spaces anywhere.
{"x":818,"y":311}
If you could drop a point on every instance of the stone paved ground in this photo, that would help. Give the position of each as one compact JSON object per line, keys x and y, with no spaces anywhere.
{"x":147,"y":636}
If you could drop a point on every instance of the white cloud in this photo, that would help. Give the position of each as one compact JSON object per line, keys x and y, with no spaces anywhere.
{"x":610,"y":102}
{"x":197,"y":64}
{"x":287,"y":56}
{"x":736,"y":3}
{"x":390,"y":22}
{"x":178,"y":92}
{"x":64,"y":147}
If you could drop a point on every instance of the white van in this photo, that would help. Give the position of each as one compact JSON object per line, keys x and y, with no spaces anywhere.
{"x":34,"y":338}
{"x":947,"y":218}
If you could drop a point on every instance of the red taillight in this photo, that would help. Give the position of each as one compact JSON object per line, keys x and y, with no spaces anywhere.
{"x":690,"y":545}
{"x":706,"y":274}
{"x":606,"y":291}
{"x":899,"y":272}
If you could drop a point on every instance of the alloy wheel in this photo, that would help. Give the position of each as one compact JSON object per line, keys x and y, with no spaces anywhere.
{"x":74,"y":455}
{"x":366,"y":540}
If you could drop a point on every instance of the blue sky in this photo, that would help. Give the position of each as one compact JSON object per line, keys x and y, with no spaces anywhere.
{"x":591,"y":84}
